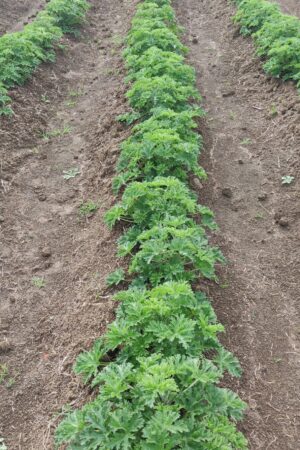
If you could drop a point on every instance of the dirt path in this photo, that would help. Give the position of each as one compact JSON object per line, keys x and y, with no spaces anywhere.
{"x":252,"y":137}
{"x":44,"y":240}
{"x":290,"y":6}
{"x":14,"y":14}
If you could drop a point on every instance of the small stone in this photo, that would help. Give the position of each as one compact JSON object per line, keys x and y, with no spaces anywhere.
{"x":46,"y":252}
{"x":197,"y":183}
{"x":262,"y":197}
{"x":227,"y":192}
{"x":195,"y":40}
{"x":1,"y":219}
{"x":5,"y":346}
{"x":240,"y":161}
{"x":228,"y":93}
{"x":42,"y":197}
{"x":283,"y":222}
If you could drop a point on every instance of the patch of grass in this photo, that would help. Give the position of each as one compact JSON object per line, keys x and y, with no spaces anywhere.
{"x":58,"y":132}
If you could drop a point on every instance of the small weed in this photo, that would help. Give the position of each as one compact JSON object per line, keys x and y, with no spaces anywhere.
{"x":246,"y":141}
{"x":287,"y":179}
{"x":56,"y":133}
{"x":3,"y":372}
{"x":273,"y":110}
{"x":115,"y":277}
{"x":232,"y":115}
{"x":259,"y":216}
{"x":10,"y":383}
{"x":45,"y":99}
{"x":117,"y":40}
{"x":224,"y":285}
{"x":2,"y":444}
{"x":88,"y":208}
{"x":75,"y":94}
{"x":277,"y":360}
{"x":38,"y":282}
{"x":71,"y":173}
{"x":71,"y":103}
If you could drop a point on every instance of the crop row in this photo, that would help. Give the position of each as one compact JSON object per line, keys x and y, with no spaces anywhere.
{"x":159,"y":365}
{"x":21,"y":52}
{"x":276,"y":36}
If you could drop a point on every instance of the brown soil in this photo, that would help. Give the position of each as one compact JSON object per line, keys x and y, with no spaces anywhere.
{"x":252,"y":137}
{"x":252,"y":134}
{"x":16,"y":13}
{"x":290,"y":6}
{"x":42,"y":233}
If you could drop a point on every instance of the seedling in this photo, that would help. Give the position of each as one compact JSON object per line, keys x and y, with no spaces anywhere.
{"x":273,"y":110}
{"x":56,"y":133}
{"x":3,"y":372}
{"x":2,"y":444}
{"x":70,"y":103}
{"x":232,"y":115}
{"x":259,"y":216}
{"x":38,"y":282}
{"x":75,"y":93}
{"x":246,"y":141}
{"x":71,"y":173}
{"x":115,"y":277}
{"x":88,"y":208}
{"x":287,"y":179}
{"x":45,"y":99}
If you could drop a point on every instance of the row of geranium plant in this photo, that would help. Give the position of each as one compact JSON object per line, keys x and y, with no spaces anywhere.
{"x":23,"y":51}
{"x":159,"y":365}
{"x":276,"y":36}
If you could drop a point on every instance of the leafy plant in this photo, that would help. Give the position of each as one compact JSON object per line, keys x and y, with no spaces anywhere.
{"x":160,"y":152}
{"x":115,"y":277}
{"x":159,"y":365}
{"x":148,"y":203}
{"x":21,"y":52}
{"x":172,"y":250}
{"x":276,"y":35}
{"x":3,"y":372}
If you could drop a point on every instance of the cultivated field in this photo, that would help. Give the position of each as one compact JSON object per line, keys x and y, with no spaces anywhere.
{"x":61,"y":177}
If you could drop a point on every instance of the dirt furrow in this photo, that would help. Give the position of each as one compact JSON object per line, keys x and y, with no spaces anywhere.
{"x":290,"y":6}
{"x":14,"y":14}
{"x":54,"y":261}
{"x":252,"y":137}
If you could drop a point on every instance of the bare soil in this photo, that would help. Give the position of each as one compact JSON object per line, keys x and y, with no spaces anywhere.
{"x":252,"y":137}
{"x":14,"y":14}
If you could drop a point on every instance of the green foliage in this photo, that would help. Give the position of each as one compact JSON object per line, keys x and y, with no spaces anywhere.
{"x":21,"y":52}
{"x":160,"y":152}
{"x":172,"y":250}
{"x":115,"y":277}
{"x":88,"y":208}
{"x":160,"y":92}
{"x":148,"y":203}
{"x":159,"y":365}
{"x":277,"y":36}
{"x":155,"y":63}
